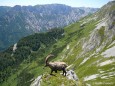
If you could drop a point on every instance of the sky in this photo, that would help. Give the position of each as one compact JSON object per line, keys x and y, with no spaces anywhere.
{"x":73,"y":3}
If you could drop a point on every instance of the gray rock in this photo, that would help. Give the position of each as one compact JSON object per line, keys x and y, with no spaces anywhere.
{"x":72,"y":75}
{"x":37,"y":81}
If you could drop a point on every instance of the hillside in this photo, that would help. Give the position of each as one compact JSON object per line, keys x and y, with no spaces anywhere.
{"x":87,"y":46}
{"x":19,"y":21}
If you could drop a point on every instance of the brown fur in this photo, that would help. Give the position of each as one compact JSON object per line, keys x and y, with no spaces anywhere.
{"x":54,"y":66}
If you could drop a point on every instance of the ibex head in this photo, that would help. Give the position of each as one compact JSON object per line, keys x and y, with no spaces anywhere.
{"x":47,"y":58}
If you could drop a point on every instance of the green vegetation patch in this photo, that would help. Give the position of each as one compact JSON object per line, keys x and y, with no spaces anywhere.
{"x":56,"y":80}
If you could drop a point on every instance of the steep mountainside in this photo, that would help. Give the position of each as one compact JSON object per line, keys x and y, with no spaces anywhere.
{"x":87,"y":46}
{"x":19,"y":21}
{"x":4,"y":9}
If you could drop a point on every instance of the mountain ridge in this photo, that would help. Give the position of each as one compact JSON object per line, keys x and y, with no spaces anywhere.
{"x":19,"y":21}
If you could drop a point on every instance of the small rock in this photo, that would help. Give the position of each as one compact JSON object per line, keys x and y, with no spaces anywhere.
{"x":37,"y":81}
{"x":72,"y":75}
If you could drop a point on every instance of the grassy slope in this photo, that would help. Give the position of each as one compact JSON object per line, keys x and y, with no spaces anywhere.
{"x":73,"y":38}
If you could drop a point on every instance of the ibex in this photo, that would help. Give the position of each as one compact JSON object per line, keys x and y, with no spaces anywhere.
{"x":54,"y":66}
